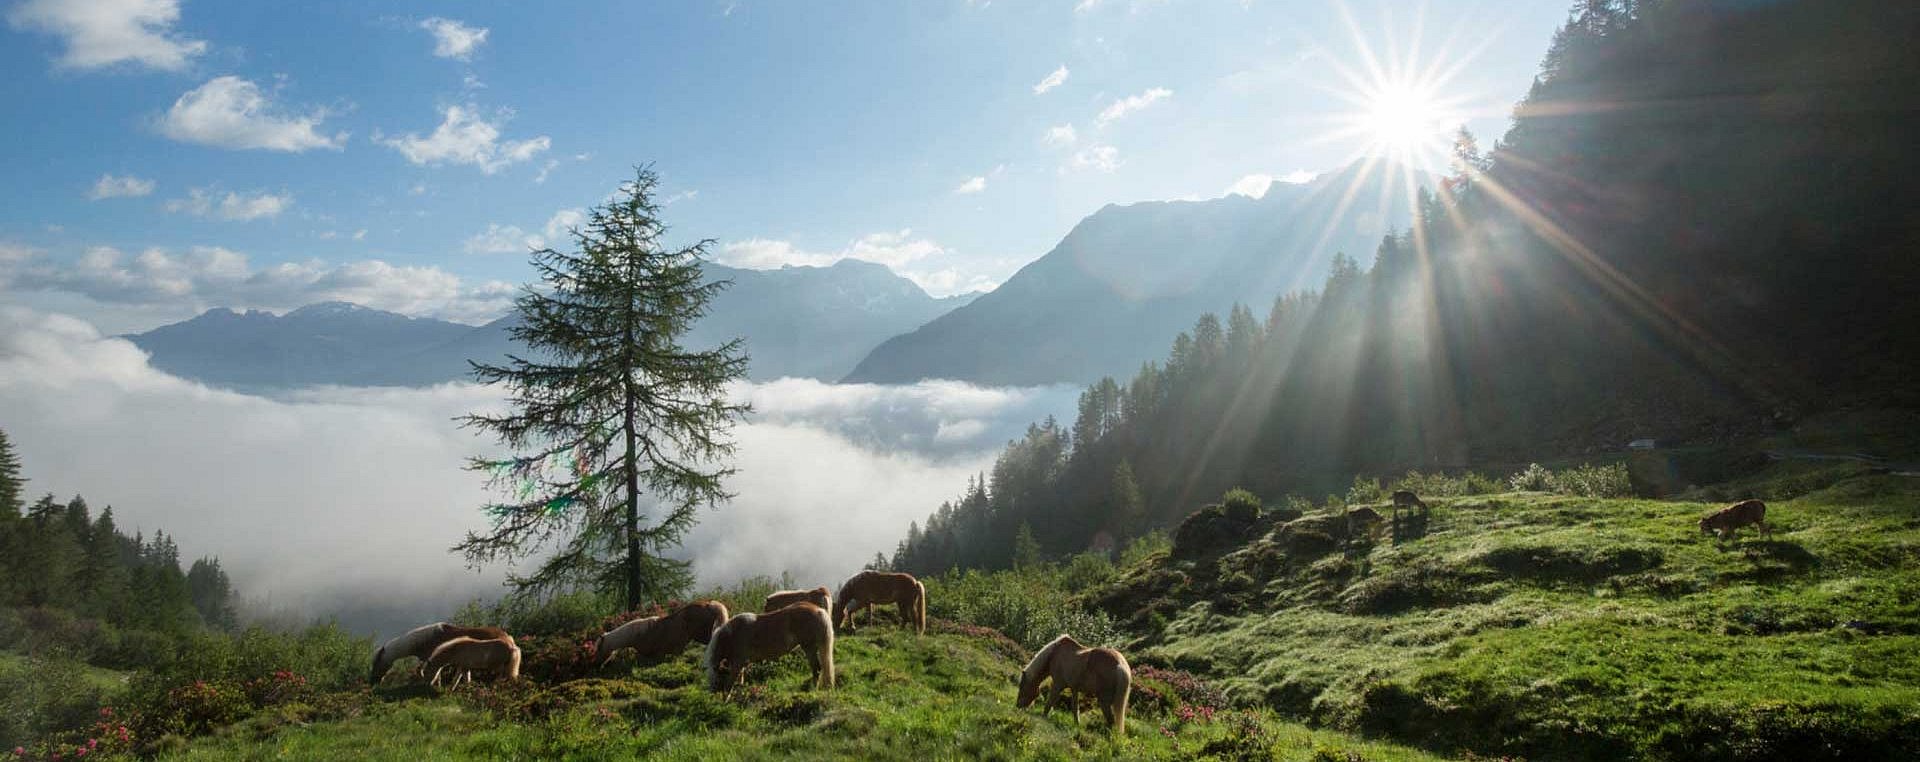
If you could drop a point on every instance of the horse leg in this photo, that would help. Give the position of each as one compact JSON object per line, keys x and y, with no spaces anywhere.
{"x":1766,"y":530}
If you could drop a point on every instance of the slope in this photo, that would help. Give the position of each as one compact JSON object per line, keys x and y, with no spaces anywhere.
{"x":1562,"y":627}
{"x":946,"y":695}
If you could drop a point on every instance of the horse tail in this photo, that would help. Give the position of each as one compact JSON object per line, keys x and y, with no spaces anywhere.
{"x":920,"y":608}
{"x":826,"y":656}
{"x":1120,"y":703}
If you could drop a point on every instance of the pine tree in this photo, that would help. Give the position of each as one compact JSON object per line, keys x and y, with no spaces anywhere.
{"x":1129,"y":509}
{"x":212,"y":593}
{"x":608,"y":408}
{"x":11,"y":483}
{"x":1026,"y":550}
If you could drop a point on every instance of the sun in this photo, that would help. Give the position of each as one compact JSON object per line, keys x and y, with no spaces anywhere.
{"x":1402,"y":120}
{"x":1402,"y":95}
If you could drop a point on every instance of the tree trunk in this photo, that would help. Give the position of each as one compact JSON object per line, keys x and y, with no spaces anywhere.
{"x":632,"y":464}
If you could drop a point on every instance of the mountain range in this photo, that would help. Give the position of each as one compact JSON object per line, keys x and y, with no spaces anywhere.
{"x":814,"y":322}
{"x":1127,"y":279}
{"x":1112,"y":294}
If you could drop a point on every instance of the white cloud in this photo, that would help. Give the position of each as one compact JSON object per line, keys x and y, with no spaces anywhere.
{"x":158,"y":284}
{"x":936,"y":269}
{"x":1298,"y":177}
{"x":327,"y":497}
{"x":230,"y":112}
{"x":202,"y":202}
{"x":1098,"y":156}
{"x":102,"y":33}
{"x":1124,"y":106}
{"x":1052,"y":80}
{"x":545,"y":169}
{"x":685,"y":195}
{"x":972,"y":185}
{"x":111,"y":186}
{"x":452,"y":39}
{"x":1085,"y":5}
{"x":503,"y":239}
{"x":1251,"y":186}
{"x":512,"y":239}
{"x":1061,"y":135}
{"x":465,"y":138}
{"x":360,"y":235}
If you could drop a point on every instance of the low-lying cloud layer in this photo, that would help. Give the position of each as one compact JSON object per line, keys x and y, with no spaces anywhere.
{"x":346,"y":500}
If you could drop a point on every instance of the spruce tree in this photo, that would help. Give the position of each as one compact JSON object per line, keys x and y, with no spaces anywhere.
{"x":618,"y":431}
{"x":11,"y":483}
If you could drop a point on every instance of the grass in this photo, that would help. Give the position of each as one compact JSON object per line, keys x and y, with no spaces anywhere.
{"x":1567,"y":628}
{"x":947,"y":695}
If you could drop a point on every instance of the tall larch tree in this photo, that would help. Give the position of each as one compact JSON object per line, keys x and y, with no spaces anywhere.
{"x":619,"y":432}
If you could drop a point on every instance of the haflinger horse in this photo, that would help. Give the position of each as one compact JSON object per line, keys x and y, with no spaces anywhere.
{"x":1098,"y":673}
{"x":872,"y":588}
{"x":1728,"y":521}
{"x":466,"y":655}
{"x":1406,"y":499}
{"x":780,"y":600}
{"x":656,"y":637}
{"x":420,"y":642}
{"x":747,"y":638}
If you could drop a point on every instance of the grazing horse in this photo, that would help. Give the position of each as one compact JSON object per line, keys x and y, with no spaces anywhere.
{"x":747,"y":638}
{"x":872,"y":588}
{"x":1406,"y":499}
{"x":780,"y":600}
{"x":464,"y":655}
{"x":420,"y":642}
{"x":1727,"y":521}
{"x":1362,"y":517}
{"x":1098,"y":673}
{"x":660,"y":636}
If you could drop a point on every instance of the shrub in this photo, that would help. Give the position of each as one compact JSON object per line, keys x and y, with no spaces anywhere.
{"x":1533,"y":478}
{"x":1594,"y":481}
{"x":1031,"y":606}
{"x":1085,"y":571}
{"x":1144,"y":546}
{"x":1241,"y":505}
{"x":41,"y":696}
{"x":1363,"y":491}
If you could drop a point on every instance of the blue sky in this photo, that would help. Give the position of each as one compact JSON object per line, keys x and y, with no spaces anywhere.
{"x":164,"y":156}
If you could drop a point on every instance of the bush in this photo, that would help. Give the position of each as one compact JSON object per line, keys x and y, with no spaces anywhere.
{"x":1241,"y":505}
{"x":1032,"y":606}
{"x":1612,"y":480}
{"x":1533,"y":478}
{"x":542,"y":615}
{"x":41,"y":696}
{"x":1594,"y":481}
{"x":1363,"y":491}
{"x":1144,"y":546}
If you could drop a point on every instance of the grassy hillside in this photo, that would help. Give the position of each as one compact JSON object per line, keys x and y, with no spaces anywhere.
{"x":947,"y":695}
{"x":1559,"y":627}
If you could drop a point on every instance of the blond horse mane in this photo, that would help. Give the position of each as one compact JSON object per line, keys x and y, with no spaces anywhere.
{"x":1036,"y":669}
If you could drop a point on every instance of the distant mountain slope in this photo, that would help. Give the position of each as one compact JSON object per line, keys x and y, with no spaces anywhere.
{"x":327,"y":343}
{"x":1127,"y":279}
{"x":797,"y":321}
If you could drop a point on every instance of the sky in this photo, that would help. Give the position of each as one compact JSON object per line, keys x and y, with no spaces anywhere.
{"x":166,"y":156}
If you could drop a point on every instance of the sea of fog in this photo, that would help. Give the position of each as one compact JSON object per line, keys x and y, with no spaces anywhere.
{"x":344,"y":501}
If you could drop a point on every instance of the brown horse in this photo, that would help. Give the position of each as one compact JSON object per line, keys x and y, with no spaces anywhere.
{"x":1406,"y":499}
{"x":872,"y":588}
{"x":657,"y":637}
{"x":747,"y":638}
{"x":420,"y":642}
{"x":1098,"y":673}
{"x":1362,"y":518}
{"x":1728,"y":521}
{"x":780,"y":600}
{"x":465,"y":655}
